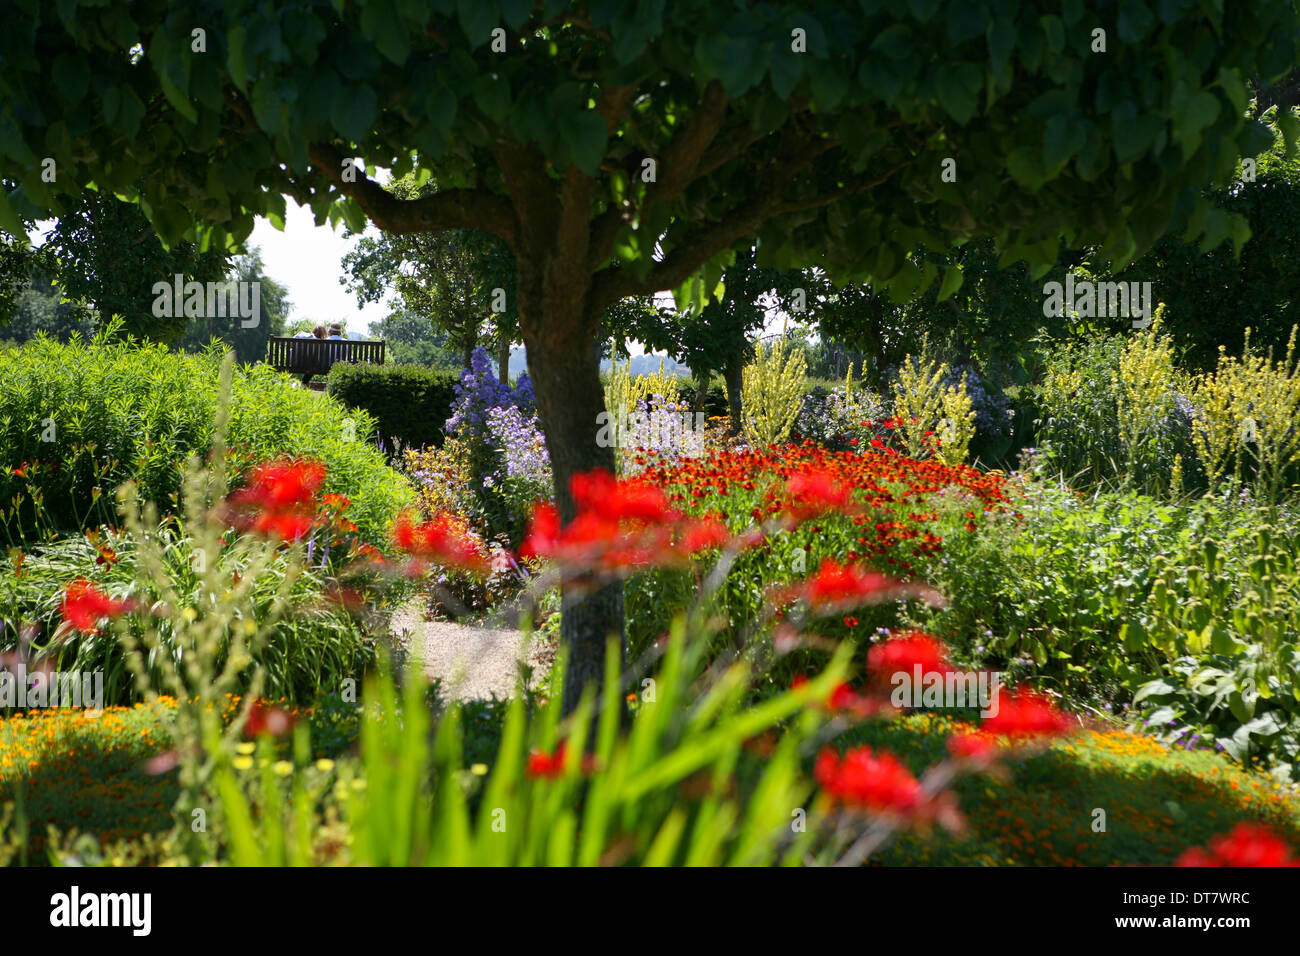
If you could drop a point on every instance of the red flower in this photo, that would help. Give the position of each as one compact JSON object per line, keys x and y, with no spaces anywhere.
{"x":443,"y":540}
{"x":264,"y":719}
{"x":84,"y":605}
{"x":815,"y":492}
{"x":551,"y":766}
{"x":841,"y":587}
{"x":280,"y":498}
{"x":1248,"y":844}
{"x":285,"y":525}
{"x":704,"y":535}
{"x":1026,"y":714}
{"x":283,"y":484}
{"x":863,"y":780}
{"x":904,"y":654}
{"x":973,"y":746}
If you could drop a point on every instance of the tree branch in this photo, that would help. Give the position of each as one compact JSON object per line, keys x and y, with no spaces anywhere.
{"x":449,"y":209}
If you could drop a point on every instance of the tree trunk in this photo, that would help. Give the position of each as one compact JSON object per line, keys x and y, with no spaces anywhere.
{"x":734,"y":374}
{"x":503,"y":360}
{"x":565,"y":371}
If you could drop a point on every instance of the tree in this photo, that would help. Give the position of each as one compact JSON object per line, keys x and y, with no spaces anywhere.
{"x":411,"y":339}
{"x":455,"y":279}
{"x":41,"y":308}
{"x":716,"y":337}
{"x":623,"y":147}
{"x":249,"y":342}
{"x":108,"y":256}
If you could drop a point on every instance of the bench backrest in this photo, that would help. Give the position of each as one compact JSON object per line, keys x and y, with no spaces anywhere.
{"x":317,"y":355}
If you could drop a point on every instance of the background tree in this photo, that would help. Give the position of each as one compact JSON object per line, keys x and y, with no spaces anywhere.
{"x":716,"y":338}
{"x":108,"y":256}
{"x":449,"y":279}
{"x":410,"y":339}
{"x":621,"y":148}
{"x":40,"y":308}
{"x":249,"y":343}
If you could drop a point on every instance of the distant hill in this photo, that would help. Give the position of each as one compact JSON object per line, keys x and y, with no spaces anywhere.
{"x":641,"y":364}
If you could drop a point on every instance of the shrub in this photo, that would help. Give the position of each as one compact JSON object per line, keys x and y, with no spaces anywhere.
{"x":410,"y":403}
{"x":1190,"y":610}
{"x":624,"y":392}
{"x":1115,"y":409}
{"x":78,"y":420}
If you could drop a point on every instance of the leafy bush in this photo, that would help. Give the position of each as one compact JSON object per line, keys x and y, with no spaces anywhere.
{"x":836,"y":415}
{"x":495,"y":439}
{"x":1115,"y":410}
{"x":1189,"y":610}
{"x":410,"y":403}
{"x":77,"y":420}
{"x":313,"y":648}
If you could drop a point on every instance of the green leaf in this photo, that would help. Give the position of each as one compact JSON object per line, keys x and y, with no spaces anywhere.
{"x":952,"y":280}
{"x":585,"y":134}
{"x":354,"y":110}
{"x":10,"y":222}
{"x":492,"y":96}
{"x":958,"y":90}
{"x":966,"y":20}
{"x":477,"y":19}
{"x":516,"y":12}
{"x":235,"y":61}
{"x":786,"y":70}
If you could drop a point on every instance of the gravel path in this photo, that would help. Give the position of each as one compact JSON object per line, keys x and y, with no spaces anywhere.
{"x":472,"y":662}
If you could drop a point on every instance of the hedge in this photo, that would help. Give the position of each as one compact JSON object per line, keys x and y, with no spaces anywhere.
{"x":78,"y":420}
{"x":410,"y":403}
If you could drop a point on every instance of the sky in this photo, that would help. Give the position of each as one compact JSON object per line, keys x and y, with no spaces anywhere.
{"x":307,"y":260}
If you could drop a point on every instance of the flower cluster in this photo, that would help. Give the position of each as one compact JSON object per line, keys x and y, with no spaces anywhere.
{"x":84,"y":606}
{"x":1247,"y":845}
{"x":620,"y":526}
{"x":279,"y":499}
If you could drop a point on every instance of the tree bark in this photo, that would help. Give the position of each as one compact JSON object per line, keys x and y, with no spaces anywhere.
{"x":565,"y":371}
{"x":503,"y":360}
{"x":734,"y":375}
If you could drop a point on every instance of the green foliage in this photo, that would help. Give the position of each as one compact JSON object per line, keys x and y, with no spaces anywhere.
{"x":108,"y":257}
{"x":304,"y":654}
{"x":1113,"y":410}
{"x":118,"y":411}
{"x":40,"y":308}
{"x":1016,"y":97}
{"x":1260,"y":284}
{"x":409,"y":403}
{"x":249,"y":344}
{"x":1099,"y":597}
{"x":412,"y":799}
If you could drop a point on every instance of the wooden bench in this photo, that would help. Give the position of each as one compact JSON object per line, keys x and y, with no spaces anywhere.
{"x":313,"y":356}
